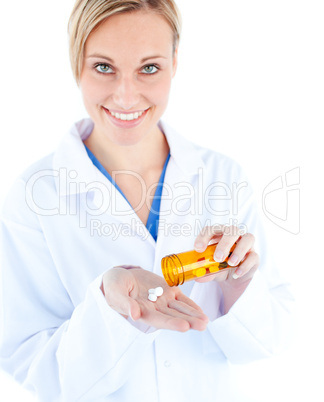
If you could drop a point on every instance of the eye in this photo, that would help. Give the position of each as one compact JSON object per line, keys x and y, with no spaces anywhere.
{"x":103,"y":68}
{"x":150,"y":69}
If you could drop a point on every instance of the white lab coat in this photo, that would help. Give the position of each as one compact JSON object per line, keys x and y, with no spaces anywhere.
{"x":64,"y":224}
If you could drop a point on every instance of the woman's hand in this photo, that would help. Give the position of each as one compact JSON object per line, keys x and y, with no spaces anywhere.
{"x":243,"y":254}
{"x":126,"y":291}
{"x":243,"y":259}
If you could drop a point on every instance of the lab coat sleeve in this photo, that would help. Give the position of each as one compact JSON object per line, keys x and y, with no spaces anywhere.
{"x":261,"y":322}
{"x":60,"y":351}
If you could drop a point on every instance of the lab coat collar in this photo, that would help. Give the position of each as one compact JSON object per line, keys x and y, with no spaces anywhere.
{"x":71,"y":160}
{"x":182,"y":151}
{"x":75,"y":170}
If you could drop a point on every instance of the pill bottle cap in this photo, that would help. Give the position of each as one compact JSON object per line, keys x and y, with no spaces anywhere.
{"x":172,"y":270}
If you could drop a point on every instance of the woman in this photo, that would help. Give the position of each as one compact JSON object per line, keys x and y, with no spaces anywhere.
{"x":84,"y":231}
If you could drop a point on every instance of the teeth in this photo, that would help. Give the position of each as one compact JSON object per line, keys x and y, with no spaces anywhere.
{"x":128,"y":117}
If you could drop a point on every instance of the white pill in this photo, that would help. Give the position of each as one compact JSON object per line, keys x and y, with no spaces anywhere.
{"x":152,"y":291}
{"x":158,"y":291}
{"x":152,"y":297}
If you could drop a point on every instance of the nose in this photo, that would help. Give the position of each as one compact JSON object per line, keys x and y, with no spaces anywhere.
{"x":126,"y":94}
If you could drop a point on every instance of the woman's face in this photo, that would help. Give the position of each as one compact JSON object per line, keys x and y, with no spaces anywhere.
{"x":126,"y":76}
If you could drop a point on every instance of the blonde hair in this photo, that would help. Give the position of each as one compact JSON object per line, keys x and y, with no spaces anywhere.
{"x":87,"y":14}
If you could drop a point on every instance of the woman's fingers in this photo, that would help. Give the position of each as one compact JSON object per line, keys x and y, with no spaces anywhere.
{"x":197,"y":319}
{"x":193,"y":322}
{"x":225,"y":237}
{"x":217,"y":233}
{"x":172,"y":310}
{"x":205,"y":236}
{"x":248,"y":267}
{"x":159,"y":319}
{"x":173,"y":315}
{"x":126,"y":291}
{"x":243,"y":246}
{"x":242,"y":258}
{"x":184,"y":299}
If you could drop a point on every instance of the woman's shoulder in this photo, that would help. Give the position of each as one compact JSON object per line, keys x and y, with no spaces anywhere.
{"x":217,"y":157}
{"x":32,"y":180}
{"x":211,"y":159}
{"x":42,"y":165}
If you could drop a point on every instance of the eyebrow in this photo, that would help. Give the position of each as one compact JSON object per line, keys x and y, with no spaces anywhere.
{"x":100,"y":56}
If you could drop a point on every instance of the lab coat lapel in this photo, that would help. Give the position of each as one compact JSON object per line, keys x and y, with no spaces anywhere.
{"x":181,"y":187}
{"x":76,"y":175}
{"x":81,"y":176}
{"x":181,"y":197}
{"x":115,"y":207}
{"x":184,"y":178}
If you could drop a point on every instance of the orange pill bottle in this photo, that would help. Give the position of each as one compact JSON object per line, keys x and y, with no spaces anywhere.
{"x":184,"y":267}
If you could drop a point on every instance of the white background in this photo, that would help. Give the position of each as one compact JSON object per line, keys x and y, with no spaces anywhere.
{"x":250,"y":85}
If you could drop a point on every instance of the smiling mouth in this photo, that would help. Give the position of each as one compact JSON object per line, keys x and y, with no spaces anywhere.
{"x":127,"y":116}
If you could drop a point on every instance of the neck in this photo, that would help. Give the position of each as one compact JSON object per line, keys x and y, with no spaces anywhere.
{"x":148,"y":154}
